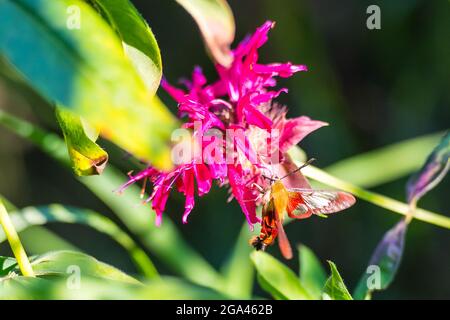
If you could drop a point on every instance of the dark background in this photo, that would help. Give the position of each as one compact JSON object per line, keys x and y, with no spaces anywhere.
{"x":374,"y":87}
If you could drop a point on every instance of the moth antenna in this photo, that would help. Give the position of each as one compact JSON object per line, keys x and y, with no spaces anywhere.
{"x":268,"y":178}
{"x":307,"y":163}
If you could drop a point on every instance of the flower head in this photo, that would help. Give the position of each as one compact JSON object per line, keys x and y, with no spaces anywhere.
{"x":238,"y":106}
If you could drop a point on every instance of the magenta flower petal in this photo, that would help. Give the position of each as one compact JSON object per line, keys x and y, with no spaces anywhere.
{"x":203,"y":177}
{"x":188,"y":182}
{"x":159,"y":200}
{"x":198,"y":79}
{"x":158,"y":220}
{"x":266,"y":97}
{"x":257,"y":118}
{"x":243,"y":194}
{"x":241,"y":99}
{"x":199,"y":112}
{"x":146,"y":173}
{"x":284,"y":70}
{"x":161,"y":190}
{"x":218,"y":171}
{"x":256,"y":41}
{"x":296,"y":129}
{"x":177,"y":94}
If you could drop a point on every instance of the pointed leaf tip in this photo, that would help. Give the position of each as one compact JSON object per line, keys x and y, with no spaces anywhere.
{"x":86,"y":156}
{"x":432,"y":172}
{"x":335,"y":288}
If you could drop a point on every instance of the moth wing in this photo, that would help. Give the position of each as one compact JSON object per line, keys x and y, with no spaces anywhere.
{"x":297,"y":208}
{"x":283,"y":242}
{"x":305,"y":202}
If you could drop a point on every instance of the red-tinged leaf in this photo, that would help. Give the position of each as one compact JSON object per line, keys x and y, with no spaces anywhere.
{"x":432,"y":172}
{"x":384,"y":263}
{"x":216,"y":23}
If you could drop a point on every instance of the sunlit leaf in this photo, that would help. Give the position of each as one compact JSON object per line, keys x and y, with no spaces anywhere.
{"x":312,"y":274}
{"x":432,"y":172}
{"x":80,"y":64}
{"x":384,"y":262}
{"x":216,"y":22}
{"x":59,"y":263}
{"x":137,"y":38}
{"x":33,"y":216}
{"x":335,"y":288}
{"x":278,"y":279}
{"x":15,"y":287}
{"x":267,"y":287}
{"x":87,"y":157}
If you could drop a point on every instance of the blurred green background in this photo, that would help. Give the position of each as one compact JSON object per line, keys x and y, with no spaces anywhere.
{"x":374,"y":87}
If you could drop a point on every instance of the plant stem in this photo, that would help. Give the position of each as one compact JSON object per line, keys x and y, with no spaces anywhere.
{"x":375,"y":198}
{"x":14,"y":242}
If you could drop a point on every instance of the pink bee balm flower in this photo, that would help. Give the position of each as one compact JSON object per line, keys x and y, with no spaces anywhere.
{"x":239,"y":102}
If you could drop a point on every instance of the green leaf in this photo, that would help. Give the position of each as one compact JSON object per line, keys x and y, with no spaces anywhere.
{"x":59,"y":263}
{"x":335,"y":288}
{"x":87,"y":157}
{"x":312,"y":274}
{"x":7,"y":204}
{"x":277,"y":279}
{"x":266,"y":286}
{"x":16,"y":287}
{"x":39,"y":240}
{"x":238,"y":270}
{"x":384,"y":263}
{"x":216,"y":23}
{"x":86,"y":71}
{"x":137,"y":38}
{"x":7,"y":265}
{"x":33,"y":216}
